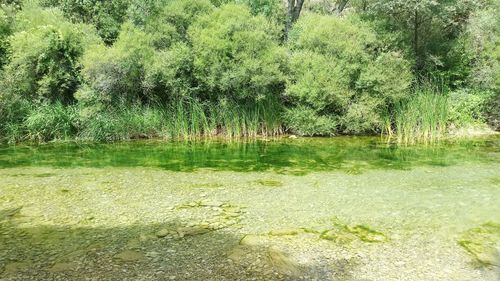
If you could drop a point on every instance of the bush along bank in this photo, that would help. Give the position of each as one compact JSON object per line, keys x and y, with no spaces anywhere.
{"x":194,"y":69}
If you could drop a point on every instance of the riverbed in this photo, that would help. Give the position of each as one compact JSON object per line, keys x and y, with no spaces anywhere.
{"x":346,"y":208}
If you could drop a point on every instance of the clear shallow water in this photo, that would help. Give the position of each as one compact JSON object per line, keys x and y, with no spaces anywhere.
{"x":76,"y":212}
{"x":285,"y":156}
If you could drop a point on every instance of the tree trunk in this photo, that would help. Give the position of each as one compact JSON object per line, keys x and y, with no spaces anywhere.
{"x":341,"y":6}
{"x":293,"y":13}
{"x":416,"y":26}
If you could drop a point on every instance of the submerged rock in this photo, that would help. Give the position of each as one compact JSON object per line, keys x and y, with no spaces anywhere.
{"x":366,"y":234}
{"x":9,"y":213}
{"x":483,"y":243}
{"x":258,"y":252}
{"x":282,"y":262}
{"x":338,"y":236}
{"x":15,"y":267}
{"x":134,"y":243}
{"x":253,"y":240}
{"x":344,"y":234}
{"x":61,"y":267}
{"x":232,"y":209}
{"x":231,"y":215}
{"x":191,"y":231}
{"x":130,"y":256}
{"x":490,"y":256}
{"x":285,"y":232}
{"x":163,"y":232}
{"x":270,"y":183}
{"x":238,"y":254}
{"x":208,"y":203}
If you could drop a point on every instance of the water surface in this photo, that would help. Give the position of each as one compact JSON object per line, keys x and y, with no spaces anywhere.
{"x":307,"y":209}
{"x":282,"y":155}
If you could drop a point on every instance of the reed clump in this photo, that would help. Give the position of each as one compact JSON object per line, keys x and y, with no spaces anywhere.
{"x":422,"y":117}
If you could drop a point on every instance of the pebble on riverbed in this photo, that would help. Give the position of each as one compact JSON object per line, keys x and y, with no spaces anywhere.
{"x":130,"y":256}
{"x":15,"y":267}
{"x":61,"y":267}
{"x":258,"y":252}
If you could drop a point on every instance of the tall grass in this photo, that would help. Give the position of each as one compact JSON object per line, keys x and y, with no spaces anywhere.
{"x":189,"y":118}
{"x":234,"y":120}
{"x":51,"y":121}
{"x":422,"y":117}
{"x":39,"y":122}
{"x":184,"y":118}
{"x":123,"y":123}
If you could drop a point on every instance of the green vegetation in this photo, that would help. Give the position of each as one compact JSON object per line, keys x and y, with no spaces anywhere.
{"x":344,"y":234}
{"x":351,"y":155}
{"x":270,"y":183}
{"x":482,"y":243}
{"x":422,"y":117}
{"x":175,"y":69}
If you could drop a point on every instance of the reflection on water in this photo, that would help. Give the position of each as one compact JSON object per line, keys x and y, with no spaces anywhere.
{"x":351,"y":154}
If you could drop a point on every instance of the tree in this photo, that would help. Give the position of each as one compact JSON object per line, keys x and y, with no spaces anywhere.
{"x":5,"y":31}
{"x":173,"y":20}
{"x":107,"y":16}
{"x":427,"y":28}
{"x":331,"y":7}
{"x":294,"y":9}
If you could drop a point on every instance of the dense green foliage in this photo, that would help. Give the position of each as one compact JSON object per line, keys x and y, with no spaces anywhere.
{"x":338,"y":70}
{"x":121,"y":69}
{"x":236,"y":55}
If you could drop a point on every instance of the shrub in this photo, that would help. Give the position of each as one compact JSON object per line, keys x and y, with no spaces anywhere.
{"x":173,"y":21}
{"x":141,"y":11}
{"x":319,"y":82}
{"x":107,"y":16}
{"x":45,"y":53}
{"x":466,"y":108}
{"x":169,"y":75}
{"x":388,"y":77}
{"x":272,"y":9}
{"x":305,"y":121}
{"x":492,"y":110}
{"x":479,"y":52}
{"x":363,"y":116}
{"x":236,"y":55}
{"x":345,"y":39}
{"x":337,"y":69}
{"x":115,"y":74}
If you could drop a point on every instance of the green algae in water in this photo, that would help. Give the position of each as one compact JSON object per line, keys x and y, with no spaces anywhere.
{"x":353,"y":155}
{"x":483,"y":243}
{"x":367,"y":234}
{"x":270,"y":183}
{"x":495,"y":181}
{"x":50,"y":239}
{"x":9,"y":213}
{"x":208,"y":185}
{"x":344,"y":234}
